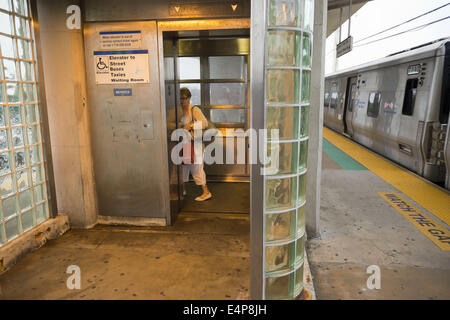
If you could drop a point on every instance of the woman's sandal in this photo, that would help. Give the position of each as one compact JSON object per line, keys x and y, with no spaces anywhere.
{"x":204,"y":197}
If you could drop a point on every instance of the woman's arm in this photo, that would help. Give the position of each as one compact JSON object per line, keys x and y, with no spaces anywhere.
{"x":199,"y":116}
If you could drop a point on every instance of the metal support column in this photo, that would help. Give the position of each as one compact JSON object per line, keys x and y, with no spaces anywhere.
{"x":257,"y":62}
{"x":349,"y":17}
{"x":316,"y":120}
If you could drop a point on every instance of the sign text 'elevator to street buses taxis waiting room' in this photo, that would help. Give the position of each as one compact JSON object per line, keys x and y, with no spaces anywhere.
{"x":124,"y":66}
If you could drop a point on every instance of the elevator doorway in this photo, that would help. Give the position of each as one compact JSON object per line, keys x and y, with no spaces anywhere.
{"x":214,"y":66}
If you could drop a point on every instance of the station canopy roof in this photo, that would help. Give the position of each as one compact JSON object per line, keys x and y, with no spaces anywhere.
{"x":334,"y":11}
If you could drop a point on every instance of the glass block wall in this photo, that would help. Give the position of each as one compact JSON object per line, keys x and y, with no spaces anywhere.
{"x":288,"y":72}
{"x":23,"y":191}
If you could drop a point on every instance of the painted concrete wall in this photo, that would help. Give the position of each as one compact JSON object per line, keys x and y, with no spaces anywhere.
{"x":62,"y":54}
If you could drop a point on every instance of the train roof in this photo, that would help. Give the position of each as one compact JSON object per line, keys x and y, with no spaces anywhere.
{"x":423,"y":51}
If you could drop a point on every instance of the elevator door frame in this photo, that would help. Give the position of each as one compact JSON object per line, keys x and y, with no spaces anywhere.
{"x":238,"y":46}
{"x":188,"y":25}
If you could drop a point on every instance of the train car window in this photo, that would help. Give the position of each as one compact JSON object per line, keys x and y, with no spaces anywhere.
{"x":334,"y":95}
{"x":410,"y":96}
{"x":326,"y":100}
{"x":445,"y":95}
{"x":334,"y":100}
{"x":352,"y":97}
{"x":373,"y":106}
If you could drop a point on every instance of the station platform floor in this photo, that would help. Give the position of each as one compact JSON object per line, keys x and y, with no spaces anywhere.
{"x":202,"y":256}
{"x":375,"y":213}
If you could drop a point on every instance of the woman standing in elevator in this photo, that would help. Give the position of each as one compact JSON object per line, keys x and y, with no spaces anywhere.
{"x":190,"y":115}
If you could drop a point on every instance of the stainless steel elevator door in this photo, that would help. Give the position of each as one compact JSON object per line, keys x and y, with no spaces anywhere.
{"x":127,"y":126}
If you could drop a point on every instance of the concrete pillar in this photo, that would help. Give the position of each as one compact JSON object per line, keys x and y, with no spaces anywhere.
{"x":63,"y":65}
{"x":316,"y":120}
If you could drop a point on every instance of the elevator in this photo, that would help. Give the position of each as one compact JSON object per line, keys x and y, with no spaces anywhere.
{"x":134,"y":73}
{"x":214,"y":66}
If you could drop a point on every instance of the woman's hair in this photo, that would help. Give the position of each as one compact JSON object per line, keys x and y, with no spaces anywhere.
{"x":186,"y":92}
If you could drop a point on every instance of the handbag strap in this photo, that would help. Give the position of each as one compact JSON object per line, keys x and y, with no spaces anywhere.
{"x":192,"y":113}
{"x":209,"y":125}
{"x":192,"y":117}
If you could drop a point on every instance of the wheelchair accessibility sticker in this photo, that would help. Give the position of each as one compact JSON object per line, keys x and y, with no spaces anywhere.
{"x":125,"y":66}
{"x":101,"y":65}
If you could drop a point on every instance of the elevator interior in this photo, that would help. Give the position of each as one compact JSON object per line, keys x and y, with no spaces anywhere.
{"x":214,"y":66}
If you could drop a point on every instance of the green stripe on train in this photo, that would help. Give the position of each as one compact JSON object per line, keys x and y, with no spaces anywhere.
{"x":342,"y":159}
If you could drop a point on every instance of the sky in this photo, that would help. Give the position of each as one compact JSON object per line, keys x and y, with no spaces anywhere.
{"x":379,"y":15}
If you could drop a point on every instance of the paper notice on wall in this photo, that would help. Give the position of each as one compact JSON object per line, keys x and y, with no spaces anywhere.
{"x":120,"y":40}
{"x":125,"y":66}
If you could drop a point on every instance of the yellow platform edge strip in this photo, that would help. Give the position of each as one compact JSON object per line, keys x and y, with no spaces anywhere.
{"x":433,"y":199}
{"x":427,"y":225}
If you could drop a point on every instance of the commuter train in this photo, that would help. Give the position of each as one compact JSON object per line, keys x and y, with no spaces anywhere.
{"x":398,"y":106}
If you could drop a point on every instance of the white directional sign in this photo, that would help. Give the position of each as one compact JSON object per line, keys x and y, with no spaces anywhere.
{"x":120,"y":40}
{"x":126,"y":66}
{"x":344,"y":47}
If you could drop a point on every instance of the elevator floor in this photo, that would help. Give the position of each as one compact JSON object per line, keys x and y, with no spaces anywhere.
{"x":227,"y":197}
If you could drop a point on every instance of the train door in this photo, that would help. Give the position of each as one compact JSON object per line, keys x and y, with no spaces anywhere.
{"x":349,"y":104}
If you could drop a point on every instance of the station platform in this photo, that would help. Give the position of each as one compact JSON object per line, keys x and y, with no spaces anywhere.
{"x":203,"y":256}
{"x":376,"y":213}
